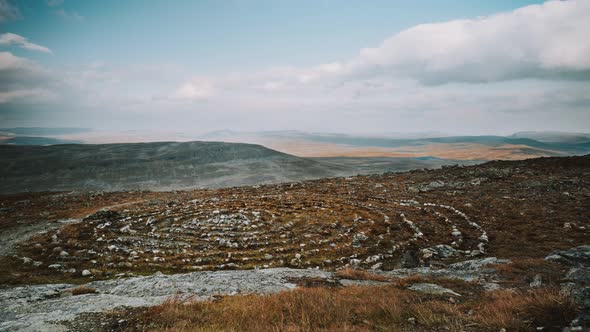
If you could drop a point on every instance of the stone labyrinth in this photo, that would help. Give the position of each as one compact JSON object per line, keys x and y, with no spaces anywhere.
{"x":241,"y":228}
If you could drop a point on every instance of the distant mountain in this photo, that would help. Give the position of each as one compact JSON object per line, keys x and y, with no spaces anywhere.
{"x":43,"y":131}
{"x":487,"y":147}
{"x":39,"y":135}
{"x":522,"y":145}
{"x":32,"y":140}
{"x":573,"y":145}
{"x":554,"y":136}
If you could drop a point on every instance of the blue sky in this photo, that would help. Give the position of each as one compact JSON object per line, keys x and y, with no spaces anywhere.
{"x":333,"y":66}
{"x":235,"y":35}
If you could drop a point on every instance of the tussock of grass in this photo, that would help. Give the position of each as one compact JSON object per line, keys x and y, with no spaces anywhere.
{"x":408,"y":281}
{"x":355,"y":274}
{"x":516,"y":310}
{"x":361,"y":309}
{"x":522,"y":271}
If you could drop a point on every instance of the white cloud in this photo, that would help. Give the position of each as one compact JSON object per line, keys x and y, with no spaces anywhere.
{"x":21,"y":78}
{"x":10,"y":62}
{"x":535,"y":61}
{"x":195,"y":89}
{"x":36,"y":94}
{"x":547,"y":41}
{"x":20,"y":41}
{"x":8,"y":12}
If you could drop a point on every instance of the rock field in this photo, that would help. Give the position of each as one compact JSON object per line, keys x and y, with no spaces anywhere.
{"x":447,"y":223}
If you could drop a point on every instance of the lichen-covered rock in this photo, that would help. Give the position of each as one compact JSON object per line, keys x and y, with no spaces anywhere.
{"x":439,"y":251}
{"x":40,"y":307}
{"x":578,"y":256}
{"x":477,"y":264}
{"x":579,"y":275}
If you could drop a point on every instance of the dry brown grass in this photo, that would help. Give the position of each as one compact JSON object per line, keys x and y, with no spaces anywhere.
{"x":70,"y":231}
{"x":376,"y":308}
{"x":516,"y":310}
{"x":408,"y":281}
{"x":355,"y":274}
{"x":80,"y":290}
{"x":522,"y":271}
{"x":304,"y":309}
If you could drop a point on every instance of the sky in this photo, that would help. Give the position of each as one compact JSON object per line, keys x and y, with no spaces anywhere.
{"x":380,"y":66}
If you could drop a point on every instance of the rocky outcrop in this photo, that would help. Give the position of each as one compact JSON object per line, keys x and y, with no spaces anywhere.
{"x":578,"y":256}
{"x":42,"y":307}
{"x":577,"y":280}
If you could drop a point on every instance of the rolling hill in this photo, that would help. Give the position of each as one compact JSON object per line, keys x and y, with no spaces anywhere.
{"x":163,"y":166}
{"x":156,"y":166}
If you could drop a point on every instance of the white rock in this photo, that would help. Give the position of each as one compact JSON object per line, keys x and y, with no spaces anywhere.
{"x":355,"y":262}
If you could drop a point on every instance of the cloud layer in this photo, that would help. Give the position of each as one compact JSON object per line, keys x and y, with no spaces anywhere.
{"x":8,"y":39}
{"x":547,"y":41}
{"x":522,"y":70}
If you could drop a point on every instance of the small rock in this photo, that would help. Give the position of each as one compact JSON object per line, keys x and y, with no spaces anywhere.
{"x":86,"y":273}
{"x":355,"y":262}
{"x":357,"y":239}
{"x":439,"y":251}
{"x":377,"y":266}
{"x":537,"y":281}
{"x":484,"y":237}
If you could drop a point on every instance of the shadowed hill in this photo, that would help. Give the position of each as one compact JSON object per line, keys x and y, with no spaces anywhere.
{"x":161,"y":166}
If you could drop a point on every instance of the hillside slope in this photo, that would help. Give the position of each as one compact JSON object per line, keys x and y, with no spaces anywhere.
{"x":161,"y":166}
{"x":501,"y":245}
